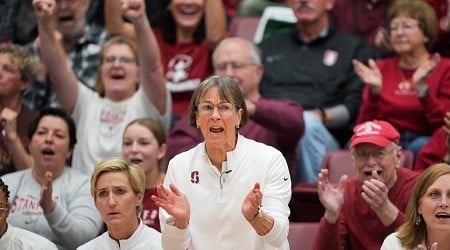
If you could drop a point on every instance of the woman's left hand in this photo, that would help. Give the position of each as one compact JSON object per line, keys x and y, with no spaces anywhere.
{"x":252,"y":202}
{"x":424,"y":70}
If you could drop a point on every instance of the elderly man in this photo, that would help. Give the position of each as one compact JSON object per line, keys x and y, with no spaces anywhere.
{"x":361,"y":211}
{"x":312,"y":65}
{"x":274,"y":122}
{"x":82,"y":43}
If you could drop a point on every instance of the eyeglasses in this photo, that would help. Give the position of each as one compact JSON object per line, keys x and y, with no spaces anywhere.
{"x":122,"y":59}
{"x":208,"y":108}
{"x":407,"y":28}
{"x":377,"y":155}
{"x":234,"y":66}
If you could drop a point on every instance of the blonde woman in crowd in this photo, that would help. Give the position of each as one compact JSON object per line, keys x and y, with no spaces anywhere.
{"x":427,"y":223}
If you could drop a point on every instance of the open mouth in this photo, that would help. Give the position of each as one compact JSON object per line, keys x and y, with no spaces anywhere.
{"x":135,"y":161}
{"x":369,"y":172}
{"x":48,"y":152}
{"x":443,"y":216}
{"x":216,"y":129}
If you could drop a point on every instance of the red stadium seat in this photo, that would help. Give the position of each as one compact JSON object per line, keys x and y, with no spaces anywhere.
{"x":244,"y":26}
{"x":301,"y":235}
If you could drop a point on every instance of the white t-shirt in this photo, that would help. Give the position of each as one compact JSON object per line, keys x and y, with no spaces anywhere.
{"x":100,"y":124}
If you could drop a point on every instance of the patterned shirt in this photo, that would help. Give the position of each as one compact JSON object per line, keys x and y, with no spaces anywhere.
{"x":83,"y":61}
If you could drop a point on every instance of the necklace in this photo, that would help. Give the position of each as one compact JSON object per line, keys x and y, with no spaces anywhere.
{"x":406,"y":82}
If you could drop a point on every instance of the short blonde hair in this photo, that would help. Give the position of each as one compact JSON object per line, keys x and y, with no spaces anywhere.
{"x":135,"y":174}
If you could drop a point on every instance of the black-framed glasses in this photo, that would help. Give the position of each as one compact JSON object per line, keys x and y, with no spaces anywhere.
{"x":234,"y":65}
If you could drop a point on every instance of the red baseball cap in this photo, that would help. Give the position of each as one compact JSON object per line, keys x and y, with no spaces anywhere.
{"x":377,"y":132}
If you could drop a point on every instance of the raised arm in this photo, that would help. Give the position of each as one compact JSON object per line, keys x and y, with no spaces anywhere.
{"x":64,"y":80}
{"x":114,"y":22}
{"x":215,"y":22}
{"x":150,"y":68}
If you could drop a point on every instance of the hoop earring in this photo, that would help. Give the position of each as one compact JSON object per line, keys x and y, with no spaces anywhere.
{"x":418,"y":220}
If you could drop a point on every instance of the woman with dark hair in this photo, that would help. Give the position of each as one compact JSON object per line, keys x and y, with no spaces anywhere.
{"x":50,"y":199}
{"x":187,"y":33}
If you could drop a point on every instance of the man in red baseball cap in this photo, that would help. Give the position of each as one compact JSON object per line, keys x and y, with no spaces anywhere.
{"x":362,"y":210}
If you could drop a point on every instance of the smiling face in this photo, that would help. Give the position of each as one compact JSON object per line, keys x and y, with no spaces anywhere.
{"x":119,"y":72}
{"x":70,"y":15}
{"x":141,"y":147}
{"x":187,"y":13}
{"x":115,"y":199}
{"x":49,"y":145}
{"x":434,"y":205}
{"x":219,"y":126}
{"x":406,"y":35}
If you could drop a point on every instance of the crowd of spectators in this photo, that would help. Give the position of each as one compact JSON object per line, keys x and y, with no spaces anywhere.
{"x":85,"y":80}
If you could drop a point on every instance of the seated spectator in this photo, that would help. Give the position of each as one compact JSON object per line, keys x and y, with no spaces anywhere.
{"x":362,"y":210}
{"x":16,"y":238}
{"x":187,"y":34}
{"x":277,"y":123}
{"x":310,"y":65}
{"x":80,"y":41}
{"x":437,"y":149}
{"x":411,"y":90}
{"x":426,"y":224}
{"x":130,"y":85}
{"x":50,"y":199}
{"x":118,"y":189}
{"x":17,"y":70}
{"x":144,"y":144}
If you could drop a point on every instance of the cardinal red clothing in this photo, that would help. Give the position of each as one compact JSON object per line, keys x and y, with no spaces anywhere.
{"x":358,"y":226}
{"x":432,"y":152}
{"x":398,"y":103}
{"x":150,"y":212}
{"x":24,"y":118}
{"x":185,"y":66}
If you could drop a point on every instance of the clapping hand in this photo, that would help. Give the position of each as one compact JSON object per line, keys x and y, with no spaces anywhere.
{"x":424,"y":70}
{"x":46,"y":201}
{"x":370,"y":75}
{"x":252,"y":202}
{"x":331,"y":197}
{"x":175,"y":203}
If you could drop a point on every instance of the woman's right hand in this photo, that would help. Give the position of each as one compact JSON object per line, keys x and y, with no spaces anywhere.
{"x":331,"y":197}
{"x":370,"y":75}
{"x":175,"y":203}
